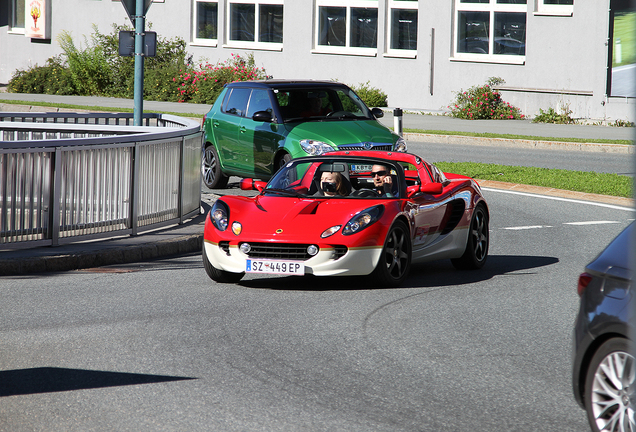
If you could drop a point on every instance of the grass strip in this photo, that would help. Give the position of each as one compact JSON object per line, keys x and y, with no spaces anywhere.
{"x":578,"y":181}
{"x":519,"y":137}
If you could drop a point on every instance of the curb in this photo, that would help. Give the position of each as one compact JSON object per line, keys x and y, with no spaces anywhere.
{"x":117,"y":255}
{"x":519,"y":143}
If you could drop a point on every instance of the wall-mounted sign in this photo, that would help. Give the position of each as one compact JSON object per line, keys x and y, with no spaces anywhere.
{"x":37,"y":19}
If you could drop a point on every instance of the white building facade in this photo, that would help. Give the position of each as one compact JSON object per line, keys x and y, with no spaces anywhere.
{"x":557,"y":54}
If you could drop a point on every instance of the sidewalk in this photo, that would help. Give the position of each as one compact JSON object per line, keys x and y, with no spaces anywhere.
{"x":188,"y":238}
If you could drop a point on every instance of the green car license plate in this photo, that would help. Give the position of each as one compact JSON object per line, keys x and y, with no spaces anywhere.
{"x":275,"y":267}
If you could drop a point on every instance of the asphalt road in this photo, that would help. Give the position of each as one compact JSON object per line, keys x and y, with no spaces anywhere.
{"x":555,"y":159}
{"x":159,"y":346}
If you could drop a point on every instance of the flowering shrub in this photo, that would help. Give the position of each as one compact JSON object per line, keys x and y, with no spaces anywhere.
{"x":482,"y":102}
{"x":203,"y":85}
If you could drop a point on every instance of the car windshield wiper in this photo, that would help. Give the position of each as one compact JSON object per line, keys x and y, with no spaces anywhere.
{"x":286,"y":192}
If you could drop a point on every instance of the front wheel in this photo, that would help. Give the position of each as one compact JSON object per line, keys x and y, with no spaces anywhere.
{"x":476,"y":252}
{"x":395,"y":260}
{"x":218,"y":275}
{"x":213,"y":177}
{"x":610,"y":387}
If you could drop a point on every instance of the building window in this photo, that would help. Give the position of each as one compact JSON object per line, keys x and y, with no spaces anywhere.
{"x":255,"y":24}
{"x":349,"y":27}
{"x":16,"y":16}
{"x":555,"y":7}
{"x":205,"y":26}
{"x":402,"y":27}
{"x":490,"y":30}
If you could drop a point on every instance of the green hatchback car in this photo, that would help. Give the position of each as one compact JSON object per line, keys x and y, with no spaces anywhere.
{"x":255,"y":127}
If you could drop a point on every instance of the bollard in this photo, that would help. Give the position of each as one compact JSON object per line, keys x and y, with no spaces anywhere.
{"x":397,"y":121}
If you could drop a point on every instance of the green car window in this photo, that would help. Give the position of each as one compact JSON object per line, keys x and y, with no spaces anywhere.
{"x":259,"y":101}
{"x":237,"y":101}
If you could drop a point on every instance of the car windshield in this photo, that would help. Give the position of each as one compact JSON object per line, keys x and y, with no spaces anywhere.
{"x":320,"y":103}
{"x":356,"y":178}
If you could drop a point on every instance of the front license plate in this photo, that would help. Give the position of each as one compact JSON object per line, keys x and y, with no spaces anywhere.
{"x":275,"y":267}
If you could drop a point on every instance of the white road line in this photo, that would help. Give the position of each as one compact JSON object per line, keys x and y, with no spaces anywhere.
{"x":527,"y":227}
{"x":591,"y":223}
{"x":610,"y":206}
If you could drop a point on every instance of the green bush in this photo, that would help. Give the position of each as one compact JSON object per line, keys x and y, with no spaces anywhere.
{"x":89,"y":70}
{"x":203,"y":84}
{"x":52,"y":78}
{"x":482,"y":102}
{"x":552,"y":116}
{"x":98,"y":69}
{"x":171,"y":57}
{"x":371,"y":96}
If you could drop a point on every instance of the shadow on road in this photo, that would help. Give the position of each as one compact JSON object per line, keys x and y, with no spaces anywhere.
{"x":432,"y":274}
{"x":52,"y":379}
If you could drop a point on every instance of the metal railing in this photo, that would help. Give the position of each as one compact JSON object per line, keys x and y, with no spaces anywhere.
{"x":68,"y":177}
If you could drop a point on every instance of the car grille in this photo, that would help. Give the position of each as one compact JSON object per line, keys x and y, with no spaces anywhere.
{"x":279,"y":251}
{"x":360,"y":146}
{"x":339,"y":252}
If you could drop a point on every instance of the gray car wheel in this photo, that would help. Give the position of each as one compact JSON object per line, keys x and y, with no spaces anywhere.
{"x":610,"y":387}
{"x":213,"y":177}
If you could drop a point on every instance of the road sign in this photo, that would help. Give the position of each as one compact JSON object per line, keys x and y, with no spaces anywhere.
{"x":127,"y":43}
{"x":131,"y":9}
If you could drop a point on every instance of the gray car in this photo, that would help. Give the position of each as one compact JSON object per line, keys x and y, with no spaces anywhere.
{"x":604,"y":373}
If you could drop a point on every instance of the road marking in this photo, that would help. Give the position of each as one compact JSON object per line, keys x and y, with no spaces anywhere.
{"x":610,"y":206}
{"x":527,"y":227}
{"x":591,"y":223}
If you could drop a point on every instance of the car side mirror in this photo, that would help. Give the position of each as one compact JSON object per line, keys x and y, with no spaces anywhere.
{"x":251,"y":184}
{"x":432,"y":188}
{"x":428,"y":188}
{"x":263,"y":116}
{"x":377,"y":112}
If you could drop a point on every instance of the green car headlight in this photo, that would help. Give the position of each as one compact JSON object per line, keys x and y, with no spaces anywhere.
{"x":315,"y":148}
{"x":400,"y":145}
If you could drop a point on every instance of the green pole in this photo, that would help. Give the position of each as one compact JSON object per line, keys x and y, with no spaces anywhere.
{"x":139,"y":62}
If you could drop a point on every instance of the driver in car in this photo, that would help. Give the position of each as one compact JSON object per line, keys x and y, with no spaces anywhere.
{"x":382,"y":180}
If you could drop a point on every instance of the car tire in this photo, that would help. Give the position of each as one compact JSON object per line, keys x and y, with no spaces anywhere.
{"x":217,"y":275}
{"x":283,"y":161}
{"x":395,"y":259}
{"x":476,"y":252}
{"x":213,"y":177}
{"x":610,"y":387}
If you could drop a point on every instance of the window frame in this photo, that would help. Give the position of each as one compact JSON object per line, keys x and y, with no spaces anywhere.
{"x":347,"y":5}
{"x":554,"y":10}
{"x":204,"y":41}
{"x":265,"y":46}
{"x":13,"y":29}
{"x":406,"y":5}
{"x":492,"y":7}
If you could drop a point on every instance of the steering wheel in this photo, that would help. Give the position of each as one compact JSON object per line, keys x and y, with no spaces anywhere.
{"x":337,"y":114}
{"x":365,"y":193}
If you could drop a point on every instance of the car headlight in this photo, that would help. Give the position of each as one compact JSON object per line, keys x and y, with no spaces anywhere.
{"x":400,"y":145}
{"x":219,"y":215}
{"x":363,"y":219}
{"x":315,"y":148}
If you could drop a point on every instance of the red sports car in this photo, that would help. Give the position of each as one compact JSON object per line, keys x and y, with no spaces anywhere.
{"x":348,"y":213}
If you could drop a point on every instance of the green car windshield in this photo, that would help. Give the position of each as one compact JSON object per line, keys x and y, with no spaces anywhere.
{"x":338,"y":178}
{"x":321,"y":103}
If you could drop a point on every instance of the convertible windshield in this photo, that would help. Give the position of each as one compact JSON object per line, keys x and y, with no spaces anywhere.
{"x":339,"y":178}
{"x":320,"y":103}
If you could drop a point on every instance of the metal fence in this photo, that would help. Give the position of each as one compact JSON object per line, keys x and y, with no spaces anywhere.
{"x":68,"y":177}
